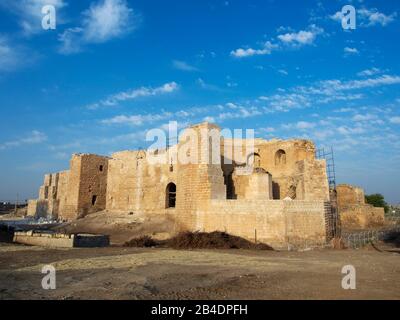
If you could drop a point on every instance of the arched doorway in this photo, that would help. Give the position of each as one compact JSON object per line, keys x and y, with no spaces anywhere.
{"x":170,"y":199}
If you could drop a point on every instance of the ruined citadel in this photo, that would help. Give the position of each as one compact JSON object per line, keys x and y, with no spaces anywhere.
{"x":282,"y":198}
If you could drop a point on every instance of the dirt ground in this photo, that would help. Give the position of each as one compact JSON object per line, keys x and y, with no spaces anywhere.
{"x":132,"y":273}
{"x":120,"y":227}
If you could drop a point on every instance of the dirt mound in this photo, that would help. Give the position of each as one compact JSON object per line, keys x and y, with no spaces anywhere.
{"x":213,"y":240}
{"x":199,"y":240}
{"x":142,"y":242}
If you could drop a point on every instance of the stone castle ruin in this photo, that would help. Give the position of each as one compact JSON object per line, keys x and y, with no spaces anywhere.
{"x":278,"y":195}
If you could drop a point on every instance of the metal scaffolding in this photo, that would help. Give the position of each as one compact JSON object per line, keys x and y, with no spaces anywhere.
{"x":328,"y":155}
{"x":333,"y":220}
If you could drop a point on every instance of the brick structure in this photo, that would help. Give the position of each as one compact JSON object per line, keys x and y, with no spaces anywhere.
{"x":278,"y":193}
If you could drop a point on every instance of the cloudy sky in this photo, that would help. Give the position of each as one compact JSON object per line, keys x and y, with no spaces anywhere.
{"x":113,"y":69}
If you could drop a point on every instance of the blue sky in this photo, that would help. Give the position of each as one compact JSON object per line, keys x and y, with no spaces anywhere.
{"x":113,"y":69}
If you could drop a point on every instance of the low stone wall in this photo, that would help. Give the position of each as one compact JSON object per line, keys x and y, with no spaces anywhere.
{"x":279,"y":223}
{"x":362,"y":217}
{"x":59,"y":240}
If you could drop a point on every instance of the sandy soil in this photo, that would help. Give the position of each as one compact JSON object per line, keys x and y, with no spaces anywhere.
{"x":131,"y":273}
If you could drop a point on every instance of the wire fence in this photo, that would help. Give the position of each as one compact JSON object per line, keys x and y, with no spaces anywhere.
{"x":356,"y":240}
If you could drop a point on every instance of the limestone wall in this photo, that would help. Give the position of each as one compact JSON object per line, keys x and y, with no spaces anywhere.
{"x":348,"y":195}
{"x":135,"y":186}
{"x":295,"y":171}
{"x":128,"y":181}
{"x":92,"y":184}
{"x":257,"y":185}
{"x":362,"y":217}
{"x":199,"y":183}
{"x":354,"y":212}
{"x":277,"y":223}
{"x":69,"y":194}
{"x":59,"y":240}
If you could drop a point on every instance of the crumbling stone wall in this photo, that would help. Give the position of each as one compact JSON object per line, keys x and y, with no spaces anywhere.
{"x":129,"y":182}
{"x":254,"y":186}
{"x":354,"y":212}
{"x":279,"y":223}
{"x":348,"y":195}
{"x":70,"y":194}
{"x":51,"y":195}
{"x":136,"y":186}
{"x":295,"y":171}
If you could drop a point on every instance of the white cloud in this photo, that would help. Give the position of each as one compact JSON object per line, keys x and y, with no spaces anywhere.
{"x":344,"y":110}
{"x":103,"y":21}
{"x":364,"y":117}
{"x":360,"y":84}
{"x":395,"y":120}
{"x":207,"y":86}
{"x":106,"y":20}
{"x":301,"y":125}
{"x":349,"y":50}
{"x":372,"y":17}
{"x":369,"y":72}
{"x":290,"y":39}
{"x":13,"y":57}
{"x":8,"y":58}
{"x":71,"y":41}
{"x":136,"y":120}
{"x":369,"y":17}
{"x":303,"y":37}
{"x":30,"y":12}
{"x":134,"y":94}
{"x":243,"y":53}
{"x":239,"y":113}
{"x":183,"y":66}
{"x":337,"y":16}
{"x":350,"y":131}
{"x":209,"y":119}
{"x":35,"y":137}
{"x":323,"y":92}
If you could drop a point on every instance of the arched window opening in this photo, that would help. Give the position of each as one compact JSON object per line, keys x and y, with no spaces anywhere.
{"x":171,"y":195}
{"x":280,"y":157}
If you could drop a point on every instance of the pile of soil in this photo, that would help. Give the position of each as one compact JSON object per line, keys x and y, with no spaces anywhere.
{"x":142,"y":242}
{"x":199,"y":240}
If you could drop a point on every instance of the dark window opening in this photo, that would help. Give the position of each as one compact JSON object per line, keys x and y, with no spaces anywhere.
{"x":171,"y":195}
{"x":280,"y":157}
{"x":276,"y":191}
{"x":230,"y":187}
{"x":94,"y":200}
{"x":101,"y":168}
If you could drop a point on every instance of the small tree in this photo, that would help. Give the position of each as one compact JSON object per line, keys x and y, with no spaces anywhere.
{"x":377,"y":200}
